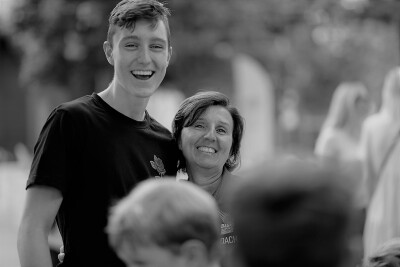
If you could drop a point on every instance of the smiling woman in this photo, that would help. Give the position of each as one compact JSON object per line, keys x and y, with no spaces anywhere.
{"x":209,"y":131}
{"x":192,"y":113}
{"x":206,"y":144}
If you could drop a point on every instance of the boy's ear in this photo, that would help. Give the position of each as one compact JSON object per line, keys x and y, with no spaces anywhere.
{"x":169,"y":54}
{"x":195,"y":253}
{"x":108,"y":51}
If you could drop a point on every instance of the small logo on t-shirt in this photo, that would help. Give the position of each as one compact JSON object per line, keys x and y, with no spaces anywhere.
{"x":158,"y":165}
{"x":226,"y":228}
{"x":226,"y":223}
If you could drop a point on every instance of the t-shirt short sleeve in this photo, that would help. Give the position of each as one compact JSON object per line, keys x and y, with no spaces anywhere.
{"x":53,"y":152}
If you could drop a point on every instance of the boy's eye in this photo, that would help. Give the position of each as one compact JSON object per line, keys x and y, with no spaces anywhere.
{"x":159,"y":47}
{"x":131,"y":45}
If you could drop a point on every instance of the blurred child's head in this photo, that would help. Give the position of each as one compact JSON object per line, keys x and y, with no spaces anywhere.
{"x":387,"y":255}
{"x":293,"y":213}
{"x":165,"y":223}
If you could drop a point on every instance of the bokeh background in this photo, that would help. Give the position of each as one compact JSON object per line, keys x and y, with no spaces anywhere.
{"x":278,"y":60}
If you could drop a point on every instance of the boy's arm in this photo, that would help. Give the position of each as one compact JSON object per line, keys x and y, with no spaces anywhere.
{"x":41,"y":207}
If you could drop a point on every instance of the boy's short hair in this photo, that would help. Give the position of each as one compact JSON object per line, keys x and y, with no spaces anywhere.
{"x":165,"y":213}
{"x":127,"y":12}
{"x":292,"y":213}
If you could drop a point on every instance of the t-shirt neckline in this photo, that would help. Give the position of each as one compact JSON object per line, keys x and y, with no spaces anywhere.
{"x":118,"y":115}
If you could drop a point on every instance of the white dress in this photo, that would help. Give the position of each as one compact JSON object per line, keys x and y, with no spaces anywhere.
{"x":383,"y":216}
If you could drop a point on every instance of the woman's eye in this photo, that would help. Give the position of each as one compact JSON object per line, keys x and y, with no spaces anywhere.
{"x":222,"y":131}
{"x":198,"y":126}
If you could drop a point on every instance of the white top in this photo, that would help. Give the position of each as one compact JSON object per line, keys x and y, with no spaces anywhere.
{"x":383,"y":217}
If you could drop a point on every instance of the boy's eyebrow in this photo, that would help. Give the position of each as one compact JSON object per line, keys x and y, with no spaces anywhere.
{"x":136,"y":38}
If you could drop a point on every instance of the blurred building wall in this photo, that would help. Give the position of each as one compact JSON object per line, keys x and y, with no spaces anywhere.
{"x":12,"y":99}
{"x":12,"y":197}
{"x":254,"y":97}
{"x":40,"y":101}
{"x":164,"y":104}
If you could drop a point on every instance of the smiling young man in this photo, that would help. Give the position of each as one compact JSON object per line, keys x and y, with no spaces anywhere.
{"x":94,"y":150}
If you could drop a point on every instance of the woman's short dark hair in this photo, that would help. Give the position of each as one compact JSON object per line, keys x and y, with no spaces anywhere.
{"x":191,"y":109}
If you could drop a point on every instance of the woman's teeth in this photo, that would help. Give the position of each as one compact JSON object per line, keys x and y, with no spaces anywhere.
{"x":207,"y":149}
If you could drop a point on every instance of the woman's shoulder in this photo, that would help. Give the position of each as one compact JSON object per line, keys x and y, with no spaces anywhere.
{"x":229,"y":180}
{"x":229,"y":176}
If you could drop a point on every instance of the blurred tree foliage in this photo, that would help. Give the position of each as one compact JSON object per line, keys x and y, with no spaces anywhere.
{"x":308,"y":46}
{"x":61,"y":42}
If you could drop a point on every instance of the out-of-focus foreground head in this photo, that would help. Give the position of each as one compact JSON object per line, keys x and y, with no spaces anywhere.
{"x":388,"y":255}
{"x":177,"y":217}
{"x":294,"y":213}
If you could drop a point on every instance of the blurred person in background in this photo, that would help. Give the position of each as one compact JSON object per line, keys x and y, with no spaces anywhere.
{"x":163,"y":223}
{"x":380,"y":141}
{"x":94,"y":150}
{"x":209,"y":130}
{"x":294,"y":213}
{"x":339,"y":139}
{"x":387,"y":255}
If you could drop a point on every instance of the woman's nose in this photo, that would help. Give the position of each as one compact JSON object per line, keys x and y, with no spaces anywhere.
{"x":210,"y":135}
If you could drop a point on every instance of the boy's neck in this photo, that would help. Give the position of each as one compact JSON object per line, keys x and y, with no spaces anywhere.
{"x":127,"y":104}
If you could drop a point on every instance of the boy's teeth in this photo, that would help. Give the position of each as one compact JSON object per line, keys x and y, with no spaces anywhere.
{"x":207,"y":149}
{"x":141,"y":72}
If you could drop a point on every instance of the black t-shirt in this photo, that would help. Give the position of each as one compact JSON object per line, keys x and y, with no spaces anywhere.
{"x":228,"y":237}
{"x":95,"y":155}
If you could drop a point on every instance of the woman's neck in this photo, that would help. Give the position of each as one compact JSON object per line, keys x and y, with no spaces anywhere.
{"x":206,"y":179}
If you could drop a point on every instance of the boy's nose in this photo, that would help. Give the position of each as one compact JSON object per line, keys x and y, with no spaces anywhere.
{"x":144,"y":56}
